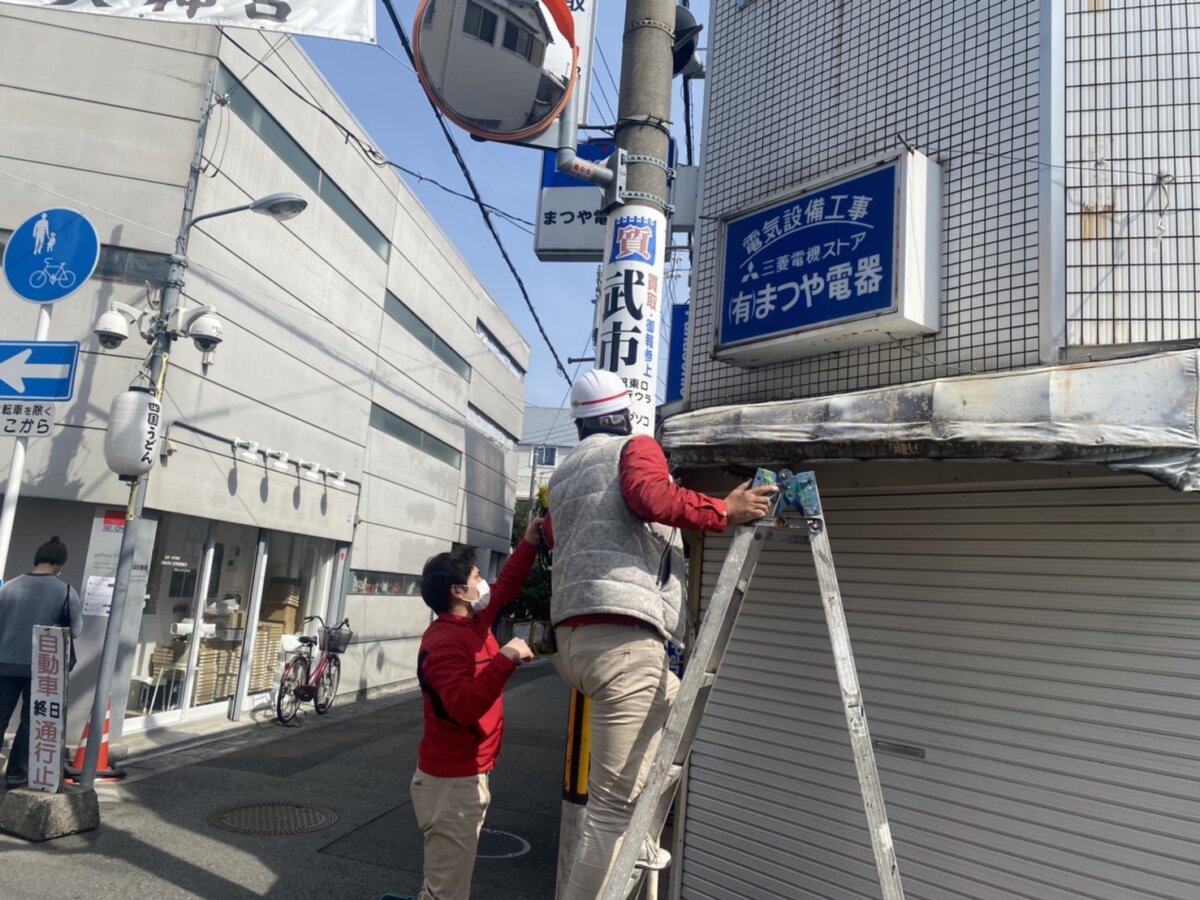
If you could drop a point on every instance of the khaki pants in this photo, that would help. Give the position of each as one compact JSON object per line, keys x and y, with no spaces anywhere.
{"x":623,"y":670}
{"x":450,"y":813}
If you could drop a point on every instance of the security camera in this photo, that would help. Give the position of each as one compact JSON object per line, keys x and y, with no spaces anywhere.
{"x":111,"y":329}
{"x":205,"y":332}
{"x":200,"y":323}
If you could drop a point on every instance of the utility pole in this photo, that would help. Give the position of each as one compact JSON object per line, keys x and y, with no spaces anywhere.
{"x":134,"y":521}
{"x":631,"y":292}
{"x":631,"y":289}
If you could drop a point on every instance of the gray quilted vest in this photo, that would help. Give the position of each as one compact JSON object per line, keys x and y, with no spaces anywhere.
{"x":606,"y":559}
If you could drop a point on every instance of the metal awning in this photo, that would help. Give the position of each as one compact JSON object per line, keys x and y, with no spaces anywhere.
{"x":1136,"y":414}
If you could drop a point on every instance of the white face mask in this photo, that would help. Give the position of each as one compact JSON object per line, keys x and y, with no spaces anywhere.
{"x":485,"y":596}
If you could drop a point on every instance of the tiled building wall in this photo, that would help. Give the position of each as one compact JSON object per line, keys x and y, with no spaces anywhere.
{"x":1133,"y":132}
{"x":797,"y":90}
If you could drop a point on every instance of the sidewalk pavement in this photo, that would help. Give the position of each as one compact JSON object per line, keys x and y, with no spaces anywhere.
{"x":352,"y":766}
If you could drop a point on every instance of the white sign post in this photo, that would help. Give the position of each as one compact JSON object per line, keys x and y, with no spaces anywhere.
{"x":48,"y":707}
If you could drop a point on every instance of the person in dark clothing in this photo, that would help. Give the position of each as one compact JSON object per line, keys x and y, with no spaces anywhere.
{"x":37,"y":598}
{"x":462,"y":671}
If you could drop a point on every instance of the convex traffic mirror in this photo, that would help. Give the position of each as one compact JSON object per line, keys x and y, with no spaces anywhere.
{"x":501,"y":69}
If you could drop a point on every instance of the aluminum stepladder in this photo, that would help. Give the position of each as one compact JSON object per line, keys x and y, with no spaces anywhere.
{"x":798,"y":511}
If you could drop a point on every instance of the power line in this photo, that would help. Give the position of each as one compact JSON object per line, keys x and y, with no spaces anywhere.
{"x":371,"y":154}
{"x":604,"y":61}
{"x":600,"y":85}
{"x":483,"y":208}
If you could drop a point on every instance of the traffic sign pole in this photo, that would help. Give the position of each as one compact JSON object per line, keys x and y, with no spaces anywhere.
{"x":47,"y":258}
{"x":16,"y":469}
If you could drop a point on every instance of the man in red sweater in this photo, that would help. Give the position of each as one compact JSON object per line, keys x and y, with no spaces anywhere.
{"x":462,"y":671}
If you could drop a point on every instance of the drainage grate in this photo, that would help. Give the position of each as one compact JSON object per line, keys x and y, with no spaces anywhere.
{"x":273,"y":818}
{"x":495,"y":844}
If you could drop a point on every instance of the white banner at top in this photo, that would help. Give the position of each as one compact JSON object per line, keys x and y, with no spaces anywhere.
{"x":349,"y":20}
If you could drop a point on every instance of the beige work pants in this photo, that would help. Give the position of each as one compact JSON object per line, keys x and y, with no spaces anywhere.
{"x":450,"y":813}
{"x":623,"y":670}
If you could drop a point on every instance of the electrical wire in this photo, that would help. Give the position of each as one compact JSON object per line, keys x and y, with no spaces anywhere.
{"x":604,"y":62}
{"x":483,"y":209}
{"x":370,"y":153}
{"x":599,"y":85}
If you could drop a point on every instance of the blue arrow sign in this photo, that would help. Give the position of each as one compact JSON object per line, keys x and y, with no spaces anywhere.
{"x":38,"y":370}
{"x":51,"y":255}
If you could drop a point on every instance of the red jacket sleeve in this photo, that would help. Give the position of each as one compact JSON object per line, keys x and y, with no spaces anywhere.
{"x":449,"y":670}
{"x":650,"y":492}
{"x":509,"y":582}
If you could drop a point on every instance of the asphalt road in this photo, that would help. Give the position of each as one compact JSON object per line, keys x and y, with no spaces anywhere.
{"x":347,"y":771}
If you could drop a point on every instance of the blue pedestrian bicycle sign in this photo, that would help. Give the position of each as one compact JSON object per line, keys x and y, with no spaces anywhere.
{"x":51,"y":255}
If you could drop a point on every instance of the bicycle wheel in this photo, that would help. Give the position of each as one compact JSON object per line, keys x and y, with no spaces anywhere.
{"x":66,"y":279}
{"x":329,"y":685}
{"x":37,"y":280}
{"x":294,"y":675}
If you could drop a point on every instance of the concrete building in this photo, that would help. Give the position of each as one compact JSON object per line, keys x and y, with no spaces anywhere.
{"x":360,"y":415}
{"x":548,"y":438}
{"x":1007,"y":471}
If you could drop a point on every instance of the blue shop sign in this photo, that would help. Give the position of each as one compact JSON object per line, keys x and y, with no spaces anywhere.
{"x":677,"y":354}
{"x":820,"y":257}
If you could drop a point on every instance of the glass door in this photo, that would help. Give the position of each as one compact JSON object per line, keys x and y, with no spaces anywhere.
{"x":168,"y":622}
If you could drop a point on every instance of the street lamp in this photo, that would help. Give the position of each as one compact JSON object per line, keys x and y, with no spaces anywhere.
{"x":169,"y":323}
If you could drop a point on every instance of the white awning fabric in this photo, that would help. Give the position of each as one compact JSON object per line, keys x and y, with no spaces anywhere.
{"x":1136,"y":414}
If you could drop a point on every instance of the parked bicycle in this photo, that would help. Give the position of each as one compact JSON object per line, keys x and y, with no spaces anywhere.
{"x":302,"y":680}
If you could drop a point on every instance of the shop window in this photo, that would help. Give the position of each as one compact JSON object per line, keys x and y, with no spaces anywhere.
{"x":395,"y":584}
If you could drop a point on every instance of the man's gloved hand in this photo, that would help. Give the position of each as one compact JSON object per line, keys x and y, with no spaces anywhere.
{"x":745,"y":504}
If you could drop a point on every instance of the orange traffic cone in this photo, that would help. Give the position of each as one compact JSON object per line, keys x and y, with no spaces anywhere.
{"x":103,"y":772}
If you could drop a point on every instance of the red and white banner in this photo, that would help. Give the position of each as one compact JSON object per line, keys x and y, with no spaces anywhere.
{"x":350,"y":20}
{"x":48,"y":707}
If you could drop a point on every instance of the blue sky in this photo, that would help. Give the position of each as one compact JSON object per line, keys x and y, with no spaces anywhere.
{"x":387,"y":99}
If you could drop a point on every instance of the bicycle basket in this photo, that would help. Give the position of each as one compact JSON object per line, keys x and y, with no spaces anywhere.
{"x":335,"y":640}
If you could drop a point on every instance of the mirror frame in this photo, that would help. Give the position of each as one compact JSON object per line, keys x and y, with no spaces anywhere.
{"x":566,"y":24}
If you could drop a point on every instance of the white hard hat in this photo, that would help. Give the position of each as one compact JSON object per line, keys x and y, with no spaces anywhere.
{"x":598,"y":393}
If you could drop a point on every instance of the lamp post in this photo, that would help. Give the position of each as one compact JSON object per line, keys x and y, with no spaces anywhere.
{"x":161,"y":335}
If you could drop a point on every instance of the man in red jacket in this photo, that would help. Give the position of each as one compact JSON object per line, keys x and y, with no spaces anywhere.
{"x":462,"y":671}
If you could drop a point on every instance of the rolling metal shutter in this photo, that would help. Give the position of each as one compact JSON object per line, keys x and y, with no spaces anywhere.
{"x":1039,"y":646}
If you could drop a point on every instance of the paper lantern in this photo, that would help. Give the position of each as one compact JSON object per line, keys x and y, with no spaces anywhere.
{"x":134,"y":423}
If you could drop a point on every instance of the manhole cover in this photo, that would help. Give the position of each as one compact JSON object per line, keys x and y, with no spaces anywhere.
{"x":495,"y":844}
{"x":273,"y":818}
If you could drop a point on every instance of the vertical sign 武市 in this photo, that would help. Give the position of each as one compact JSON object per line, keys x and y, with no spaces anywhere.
{"x":629,"y":309}
{"x":820,"y":257}
{"x":48,"y":707}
